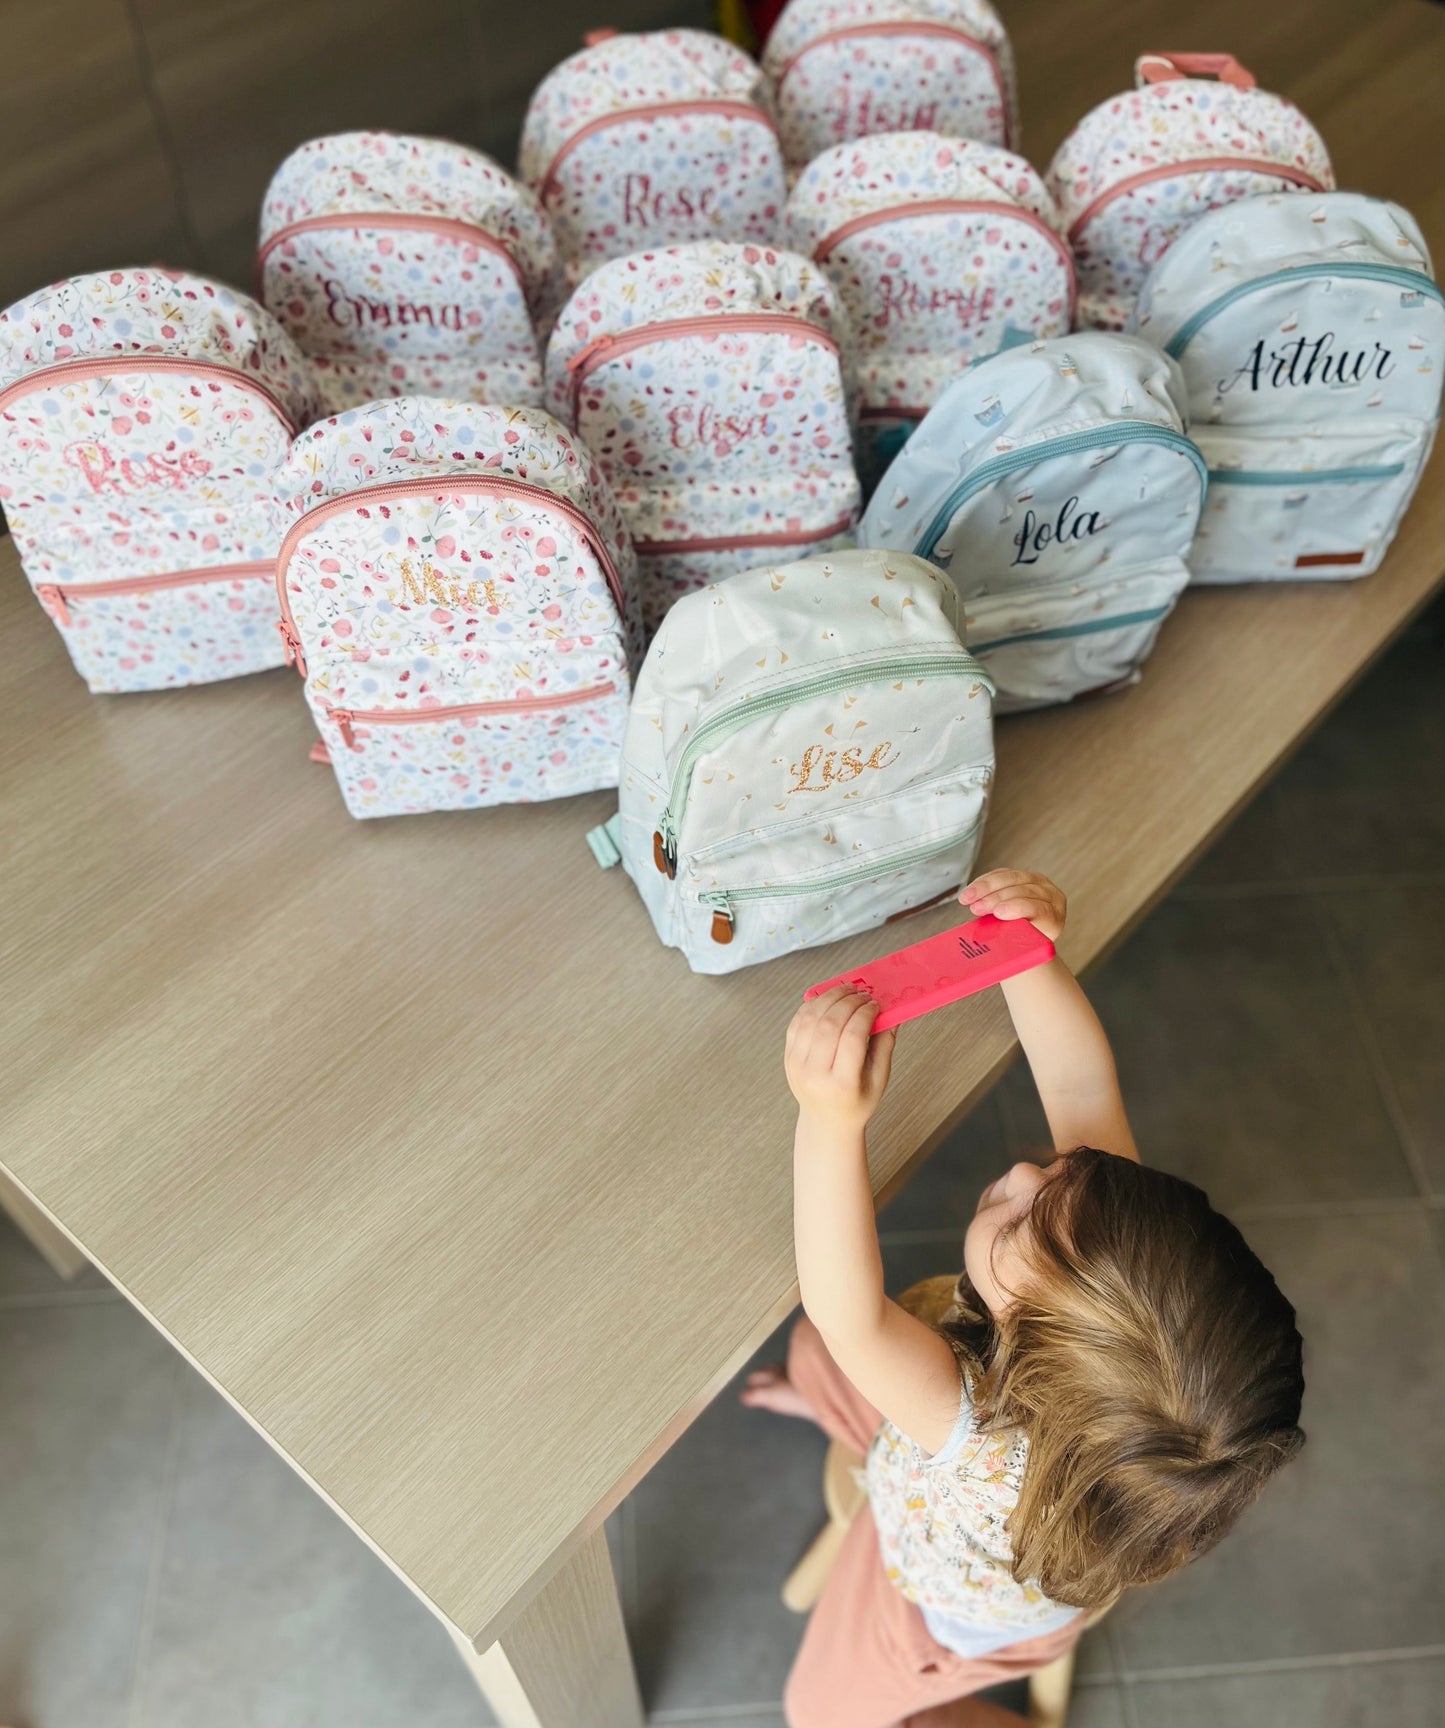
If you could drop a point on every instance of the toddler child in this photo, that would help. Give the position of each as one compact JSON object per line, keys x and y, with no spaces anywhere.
{"x":1114,"y":1381}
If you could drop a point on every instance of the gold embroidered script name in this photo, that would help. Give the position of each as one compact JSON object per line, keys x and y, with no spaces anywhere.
{"x":821,"y":769}
{"x":441,"y":590}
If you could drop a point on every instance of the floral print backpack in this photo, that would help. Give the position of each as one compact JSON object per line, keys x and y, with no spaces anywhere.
{"x":785,"y":785}
{"x":1055,"y":482}
{"x":710,"y":381}
{"x":456,"y":586}
{"x":843,"y":69}
{"x":650,"y":140}
{"x":1311,"y":337}
{"x":143,"y":416}
{"x":942,"y":251}
{"x":407,"y":265}
{"x":1137,"y":170}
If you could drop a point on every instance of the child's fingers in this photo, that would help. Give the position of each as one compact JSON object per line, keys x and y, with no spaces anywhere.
{"x":1010,"y":902}
{"x":854,"y":1034}
{"x":878,"y":1063}
{"x":992,"y":880}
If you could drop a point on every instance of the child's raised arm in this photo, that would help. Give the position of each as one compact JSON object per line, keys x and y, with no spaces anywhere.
{"x":837,"y":1071}
{"x":1067,"y":1050}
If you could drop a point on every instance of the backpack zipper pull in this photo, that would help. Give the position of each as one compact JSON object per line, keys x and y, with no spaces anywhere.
{"x":292,"y":646}
{"x":664,"y":848}
{"x":598,"y":345}
{"x":344,"y":718}
{"x":722,"y":917}
{"x":53,"y":600}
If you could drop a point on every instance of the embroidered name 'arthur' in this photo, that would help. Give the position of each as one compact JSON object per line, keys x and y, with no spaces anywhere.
{"x":1303,"y":361}
{"x":1070,"y":524}
{"x":822,"y":768}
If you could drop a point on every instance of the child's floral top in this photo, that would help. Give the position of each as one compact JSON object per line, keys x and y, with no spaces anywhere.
{"x":943,"y":1534}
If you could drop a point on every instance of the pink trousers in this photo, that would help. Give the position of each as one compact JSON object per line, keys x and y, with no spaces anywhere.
{"x":867,"y":1660}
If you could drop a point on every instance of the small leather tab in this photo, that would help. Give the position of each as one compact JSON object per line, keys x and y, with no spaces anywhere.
{"x":722,"y":927}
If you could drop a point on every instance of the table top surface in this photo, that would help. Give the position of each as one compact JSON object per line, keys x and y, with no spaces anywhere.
{"x":409,"y":1133}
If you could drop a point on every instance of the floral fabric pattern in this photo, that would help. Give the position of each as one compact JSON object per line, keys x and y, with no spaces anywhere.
{"x":928,"y":288}
{"x":433,"y":289}
{"x":653,"y":140}
{"x":445,"y":558}
{"x":709,"y":381}
{"x":845,"y":69}
{"x":143,"y":417}
{"x":1137,"y":170}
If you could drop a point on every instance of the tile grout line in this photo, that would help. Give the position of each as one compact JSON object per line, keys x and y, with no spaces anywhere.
{"x":145,"y":69}
{"x":1370,"y":1044}
{"x":135,"y":1717}
{"x":1267,"y":1665}
{"x":1264,"y":889}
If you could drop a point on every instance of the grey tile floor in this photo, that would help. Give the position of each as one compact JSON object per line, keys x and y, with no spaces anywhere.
{"x":1280,"y":1021}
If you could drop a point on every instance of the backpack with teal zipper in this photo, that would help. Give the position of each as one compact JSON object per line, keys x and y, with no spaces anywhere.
{"x":1056,"y":485}
{"x":809,"y":754}
{"x":1310,"y":336}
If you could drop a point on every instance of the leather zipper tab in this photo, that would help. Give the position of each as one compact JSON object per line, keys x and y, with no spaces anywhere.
{"x":722,"y":925}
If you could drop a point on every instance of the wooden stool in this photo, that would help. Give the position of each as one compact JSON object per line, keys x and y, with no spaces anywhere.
{"x":844,"y":1496}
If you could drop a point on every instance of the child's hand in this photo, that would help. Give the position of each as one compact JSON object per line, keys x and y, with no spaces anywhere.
{"x":1019,"y":894}
{"x":836,"y":1068}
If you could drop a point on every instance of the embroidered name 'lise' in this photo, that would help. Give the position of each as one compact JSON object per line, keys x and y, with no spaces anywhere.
{"x":1303,"y":361}
{"x":1069,"y":524}
{"x":837,"y":766}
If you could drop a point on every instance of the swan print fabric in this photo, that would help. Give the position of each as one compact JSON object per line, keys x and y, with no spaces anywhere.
{"x":143,"y":417}
{"x":942,"y":251}
{"x":1134,"y":173}
{"x":650,"y":140}
{"x":407,"y":265}
{"x":458,"y":588}
{"x":844,"y":69}
{"x":709,"y":381}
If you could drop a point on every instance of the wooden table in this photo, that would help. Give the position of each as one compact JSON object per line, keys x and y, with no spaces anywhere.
{"x":411,"y":1137}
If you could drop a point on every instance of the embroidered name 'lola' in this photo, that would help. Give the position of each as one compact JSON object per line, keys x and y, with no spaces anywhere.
{"x":434,"y":588}
{"x":837,"y":766}
{"x":1034,"y":536}
{"x":1306,"y":362}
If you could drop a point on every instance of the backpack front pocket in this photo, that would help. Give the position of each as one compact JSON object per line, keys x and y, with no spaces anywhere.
{"x":1042,"y":646}
{"x":180,"y":627}
{"x":1321,"y":504}
{"x":410,"y":756}
{"x":800,"y":883}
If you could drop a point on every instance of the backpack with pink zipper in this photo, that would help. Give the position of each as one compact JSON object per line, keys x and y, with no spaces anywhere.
{"x":650,"y":140}
{"x":843,"y":69}
{"x":143,"y":416}
{"x":457,"y":588}
{"x":710,"y":382}
{"x":942,"y":251}
{"x":407,"y":265}
{"x":1137,"y":170}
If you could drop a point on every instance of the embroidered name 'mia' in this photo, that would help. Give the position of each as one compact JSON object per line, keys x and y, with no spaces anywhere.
{"x":351,"y":311}
{"x":431,"y":587}
{"x":1288,"y":365}
{"x":835,"y":767}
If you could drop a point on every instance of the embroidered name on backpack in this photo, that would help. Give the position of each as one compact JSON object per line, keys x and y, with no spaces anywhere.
{"x":856,"y":120}
{"x":432,"y":588}
{"x":1305,"y":362}
{"x":698,"y":425}
{"x":1034,"y":536}
{"x":353,"y":311}
{"x":104,"y":471}
{"x":641,"y":206}
{"x":902,"y":297}
{"x":822,"y":768}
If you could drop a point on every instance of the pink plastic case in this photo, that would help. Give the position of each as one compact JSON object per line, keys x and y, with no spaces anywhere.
{"x":932,"y":973}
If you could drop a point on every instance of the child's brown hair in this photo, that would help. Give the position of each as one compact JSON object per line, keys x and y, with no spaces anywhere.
{"x":1155,"y":1367}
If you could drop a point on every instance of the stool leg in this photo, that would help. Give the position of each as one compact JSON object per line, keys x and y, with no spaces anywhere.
{"x":804,"y":1584}
{"x":1049,"y":1690}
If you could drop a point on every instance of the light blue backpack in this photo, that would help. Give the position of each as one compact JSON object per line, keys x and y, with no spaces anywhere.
{"x":1055,"y":484}
{"x":1310,"y":336}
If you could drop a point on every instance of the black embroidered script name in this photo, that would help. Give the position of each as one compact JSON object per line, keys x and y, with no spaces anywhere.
{"x":1034,"y":536}
{"x":1303,"y":361}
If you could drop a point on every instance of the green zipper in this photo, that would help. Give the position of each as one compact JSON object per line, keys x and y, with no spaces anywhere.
{"x":1303,"y":476}
{"x":1067,"y":444}
{"x":732,"y":719}
{"x":1413,"y":279}
{"x":720,"y":901}
{"x":1064,"y":632}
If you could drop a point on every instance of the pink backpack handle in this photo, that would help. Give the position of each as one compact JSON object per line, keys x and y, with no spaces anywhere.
{"x":1166,"y":68}
{"x":595,"y":37}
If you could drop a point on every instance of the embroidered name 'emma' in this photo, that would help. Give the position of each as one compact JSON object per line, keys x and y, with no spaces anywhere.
{"x":1305,"y":362}
{"x":901,"y":297}
{"x":104,"y":471}
{"x":837,"y":766}
{"x":352,"y":311}
{"x":434,"y":588}
{"x":1034,"y":536}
